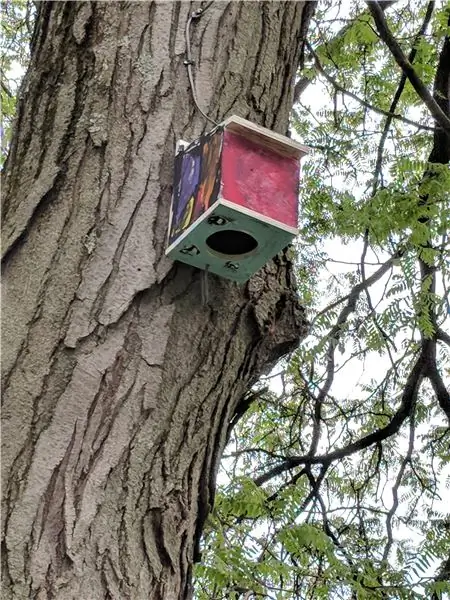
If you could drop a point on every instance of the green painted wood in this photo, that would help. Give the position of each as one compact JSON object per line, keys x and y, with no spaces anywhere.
{"x":196,"y":247}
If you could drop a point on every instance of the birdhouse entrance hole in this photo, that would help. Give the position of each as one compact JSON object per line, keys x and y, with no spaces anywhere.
{"x":230,"y":242}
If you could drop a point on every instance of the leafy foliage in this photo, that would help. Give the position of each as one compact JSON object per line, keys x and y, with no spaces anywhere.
{"x":332,"y":485}
{"x":16,"y":24}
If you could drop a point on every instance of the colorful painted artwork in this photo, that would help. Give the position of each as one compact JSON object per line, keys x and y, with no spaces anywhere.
{"x":197,"y":173}
{"x":210,"y":173}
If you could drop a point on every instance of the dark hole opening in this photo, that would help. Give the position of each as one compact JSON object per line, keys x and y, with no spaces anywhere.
{"x":231,"y":242}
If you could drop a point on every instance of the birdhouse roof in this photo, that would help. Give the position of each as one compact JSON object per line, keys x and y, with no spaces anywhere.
{"x":267,"y":138}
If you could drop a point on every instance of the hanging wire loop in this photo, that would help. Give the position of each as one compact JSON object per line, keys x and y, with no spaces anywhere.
{"x":189,"y":62}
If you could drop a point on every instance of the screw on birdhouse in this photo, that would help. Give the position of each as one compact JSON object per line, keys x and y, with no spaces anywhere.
{"x":218,"y":220}
{"x":181,"y":146}
{"x":232,"y":266}
{"x":190,"y":250}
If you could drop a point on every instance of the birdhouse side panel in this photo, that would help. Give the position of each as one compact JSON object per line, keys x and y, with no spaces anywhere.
{"x":259,"y":179}
{"x":197,"y":180}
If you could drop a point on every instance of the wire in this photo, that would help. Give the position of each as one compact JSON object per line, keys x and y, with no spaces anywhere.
{"x":189,"y":62}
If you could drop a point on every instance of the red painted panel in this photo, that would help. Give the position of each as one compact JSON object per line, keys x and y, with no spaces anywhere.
{"x":259,"y":179}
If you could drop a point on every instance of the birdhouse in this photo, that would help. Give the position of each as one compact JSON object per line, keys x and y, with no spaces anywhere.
{"x":235,"y":199}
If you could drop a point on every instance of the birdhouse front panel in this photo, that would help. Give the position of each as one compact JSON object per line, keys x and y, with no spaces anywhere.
{"x":235,"y":199}
{"x":259,"y":179}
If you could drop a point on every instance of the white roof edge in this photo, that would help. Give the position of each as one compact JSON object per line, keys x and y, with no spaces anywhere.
{"x":263,"y":131}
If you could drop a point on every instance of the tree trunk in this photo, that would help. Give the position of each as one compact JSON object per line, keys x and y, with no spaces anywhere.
{"x":118,"y":382}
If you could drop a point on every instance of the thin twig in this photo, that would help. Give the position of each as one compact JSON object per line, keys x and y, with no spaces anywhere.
{"x":407,"y":404}
{"x":355,"y":292}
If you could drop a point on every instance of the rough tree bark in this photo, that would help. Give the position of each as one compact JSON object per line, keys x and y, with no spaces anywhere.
{"x":118,"y":384}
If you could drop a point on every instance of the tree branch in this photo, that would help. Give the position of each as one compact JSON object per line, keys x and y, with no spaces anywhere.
{"x":440,"y":390}
{"x":304,"y":82}
{"x":355,"y":292}
{"x":409,"y":397}
{"x":395,"y":488}
{"x":443,"y":336}
{"x":334,"y":336}
{"x":397,"y":95}
{"x":421,"y":89}
{"x":342,"y":89}
{"x":440,"y":154}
